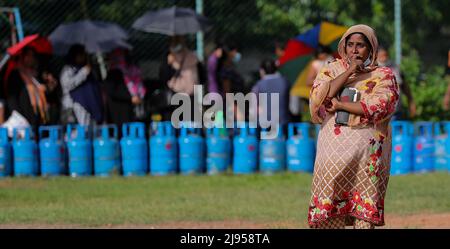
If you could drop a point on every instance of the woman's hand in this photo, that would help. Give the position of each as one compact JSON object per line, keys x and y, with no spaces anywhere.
{"x":136,"y":100}
{"x":334,"y":106}
{"x":173,"y":62}
{"x":88,"y":68}
{"x":42,"y":87}
{"x":356,"y":63}
{"x":346,"y":78}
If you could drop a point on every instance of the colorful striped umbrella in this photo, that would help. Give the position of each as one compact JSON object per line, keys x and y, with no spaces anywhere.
{"x":299,"y":53}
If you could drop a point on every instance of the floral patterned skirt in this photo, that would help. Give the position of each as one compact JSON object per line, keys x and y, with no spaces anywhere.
{"x":351,"y":174}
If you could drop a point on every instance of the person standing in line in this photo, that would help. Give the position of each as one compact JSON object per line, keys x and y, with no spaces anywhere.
{"x":322,"y":55}
{"x":272,"y":82}
{"x":82,"y":100}
{"x":27,"y":90}
{"x":230,"y":80}
{"x":125,"y":90}
{"x":180,"y":72}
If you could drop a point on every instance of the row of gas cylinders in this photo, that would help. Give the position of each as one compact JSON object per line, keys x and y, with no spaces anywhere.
{"x":83,"y":152}
{"x":420,"y":147}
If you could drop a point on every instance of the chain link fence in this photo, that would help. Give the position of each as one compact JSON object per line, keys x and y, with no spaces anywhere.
{"x":233,"y":20}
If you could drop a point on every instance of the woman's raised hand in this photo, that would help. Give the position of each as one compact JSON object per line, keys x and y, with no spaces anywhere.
{"x":356,"y":63}
{"x":135,"y":100}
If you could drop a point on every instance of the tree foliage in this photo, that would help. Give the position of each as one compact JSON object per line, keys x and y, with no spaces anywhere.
{"x":256,"y":24}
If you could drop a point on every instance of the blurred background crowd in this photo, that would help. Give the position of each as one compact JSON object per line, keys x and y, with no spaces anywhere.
{"x":114,"y":61}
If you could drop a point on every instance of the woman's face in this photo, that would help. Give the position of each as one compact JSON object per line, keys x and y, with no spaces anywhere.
{"x":81,"y":58}
{"x":356,"y":45}
{"x":383,"y":56}
{"x":29,"y":59}
{"x":232,"y":53}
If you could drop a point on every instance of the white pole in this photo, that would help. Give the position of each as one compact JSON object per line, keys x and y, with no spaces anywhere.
{"x":101,"y":63}
{"x":200,"y":55}
{"x":199,"y":35}
{"x":398,"y":32}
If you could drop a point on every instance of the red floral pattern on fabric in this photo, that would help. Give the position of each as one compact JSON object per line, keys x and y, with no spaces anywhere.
{"x":381,"y":103}
{"x":375,"y":167}
{"x":322,"y":112}
{"x":388,"y":74}
{"x":352,"y":204}
{"x":370,"y":85}
{"x":327,"y":102}
{"x":337,"y":129}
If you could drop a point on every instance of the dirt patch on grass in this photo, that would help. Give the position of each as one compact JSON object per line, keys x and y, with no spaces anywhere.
{"x":9,"y":183}
{"x":407,"y":221}
{"x":418,"y":221}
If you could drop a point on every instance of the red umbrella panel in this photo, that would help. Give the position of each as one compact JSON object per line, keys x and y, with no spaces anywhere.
{"x":39,"y":43}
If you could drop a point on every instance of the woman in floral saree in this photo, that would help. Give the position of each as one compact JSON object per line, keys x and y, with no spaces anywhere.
{"x":352,"y":166}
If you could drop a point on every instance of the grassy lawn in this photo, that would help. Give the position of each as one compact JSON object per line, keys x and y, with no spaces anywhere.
{"x":151,"y":200}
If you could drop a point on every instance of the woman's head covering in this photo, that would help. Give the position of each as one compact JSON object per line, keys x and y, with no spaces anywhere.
{"x":74,"y":50}
{"x":119,"y":59}
{"x":366,"y":31}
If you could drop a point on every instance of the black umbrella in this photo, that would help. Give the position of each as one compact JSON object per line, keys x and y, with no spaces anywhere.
{"x":113,"y":44}
{"x":172,"y":21}
{"x":92,"y":34}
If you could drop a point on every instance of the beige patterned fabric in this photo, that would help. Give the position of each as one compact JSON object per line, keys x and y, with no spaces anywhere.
{"x":333,"y":223}
{"x":362,"y":224}
{"x":351,"y":170}
{"x":341,"y":222}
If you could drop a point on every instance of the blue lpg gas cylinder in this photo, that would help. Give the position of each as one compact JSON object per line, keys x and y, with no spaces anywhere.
{"x":5,"y":153}
{"x":134,"y":149}
{"x":272,"y":152}
{"x":106,"y":151}
{"x":192,"y":149}
{"x":163,"y":149}
{"x":25,"y":152}
{"x":79,"y":147}
{"x":423,"y":147}
{"x":52,"y":150}
{"x":300,"y":148}
{"x":402,"y":147}
{"x":245,"y":144}
{"x":218,"y":146}
{"x":442,"y":146}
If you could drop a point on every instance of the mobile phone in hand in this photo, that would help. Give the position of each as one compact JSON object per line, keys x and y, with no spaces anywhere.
{"x":349,"y":94}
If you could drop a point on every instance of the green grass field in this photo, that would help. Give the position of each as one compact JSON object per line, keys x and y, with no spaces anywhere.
{"x":281,"y":198}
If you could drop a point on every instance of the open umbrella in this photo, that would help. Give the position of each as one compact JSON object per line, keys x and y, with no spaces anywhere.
{"x":111,"y":45}
{"x":299,"y":53}
{"x":91,"y":34}
{"x":39,"y":43}
{"x":172,"y":21}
